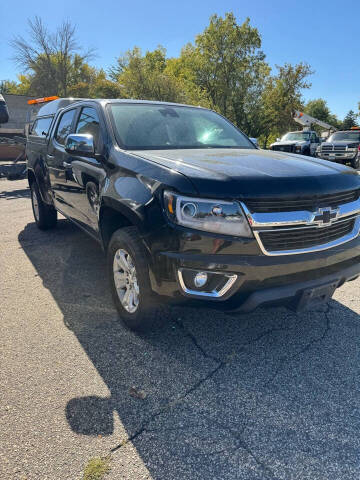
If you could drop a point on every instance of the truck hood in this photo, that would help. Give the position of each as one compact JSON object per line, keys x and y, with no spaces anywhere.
{"x":240,"y":173}
{"x":342,"y":143}
{"x":290,"y":142}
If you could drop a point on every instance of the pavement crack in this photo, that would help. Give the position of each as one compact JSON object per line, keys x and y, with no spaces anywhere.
{"x":307,"y":347}
{"x":167,"y":407}
{"x":244,"y":445}
{"x":193,"y":339}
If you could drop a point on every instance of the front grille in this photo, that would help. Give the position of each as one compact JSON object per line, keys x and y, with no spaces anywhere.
{"x":304,"y":203}
{"x":302,"y":238}
{"x":335,"y":148}
{"x":284,"y":148}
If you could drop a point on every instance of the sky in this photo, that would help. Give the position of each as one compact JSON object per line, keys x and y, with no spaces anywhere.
{"x":323,"y":33}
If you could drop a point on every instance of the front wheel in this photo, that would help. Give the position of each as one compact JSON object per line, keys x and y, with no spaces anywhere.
{"x":355,"y":162}
{"x":45,"y":215}
{"x":129,"y":279}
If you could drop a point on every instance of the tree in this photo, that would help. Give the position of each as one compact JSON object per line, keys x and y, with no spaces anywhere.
{"x":319,"y":109}
{"x":146,"y":76}
{"x":350,"y":120}
{"x":7,"y":86}
{"x":227,"y":65}
{"x":282,"y":95}
{"x":49,"y":59}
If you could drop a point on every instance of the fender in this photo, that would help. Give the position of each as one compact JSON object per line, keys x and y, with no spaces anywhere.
{"x":132,"y":197}
{"x":39,"y":173}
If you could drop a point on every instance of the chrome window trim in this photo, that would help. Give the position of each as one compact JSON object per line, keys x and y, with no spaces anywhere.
{"x":215,"y":293}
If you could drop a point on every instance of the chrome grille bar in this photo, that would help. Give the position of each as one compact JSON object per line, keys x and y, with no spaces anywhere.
{"x":303,"y":221}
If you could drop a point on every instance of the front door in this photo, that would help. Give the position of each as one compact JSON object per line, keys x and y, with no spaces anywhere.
{"x":89,"y":172}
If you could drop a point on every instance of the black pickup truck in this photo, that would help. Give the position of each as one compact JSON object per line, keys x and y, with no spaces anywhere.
{"x":185,"y":205}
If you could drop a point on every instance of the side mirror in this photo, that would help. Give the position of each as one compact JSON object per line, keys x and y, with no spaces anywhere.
{"x":80,"y":144}
{"x":278,"y":139}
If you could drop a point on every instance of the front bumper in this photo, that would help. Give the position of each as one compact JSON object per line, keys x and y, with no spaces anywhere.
{"x":288,"y":149}
{"x":259,"y":278}
{"x":337,"y":157}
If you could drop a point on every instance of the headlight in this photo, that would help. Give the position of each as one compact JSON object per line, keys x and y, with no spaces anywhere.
{"x":318,"y":149}
{"x":222,"y":217}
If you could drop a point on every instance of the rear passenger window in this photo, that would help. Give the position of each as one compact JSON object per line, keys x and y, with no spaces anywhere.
{"x":89,"y":123}
{"x":64,"y":126}
{"x":41,"y":127}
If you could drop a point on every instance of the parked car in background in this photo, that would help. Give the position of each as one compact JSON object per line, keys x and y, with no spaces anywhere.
{"x":4,"y":112}
{"x":186,"y":206}
{"x":302,"y":142}
{"x":342,"y":147}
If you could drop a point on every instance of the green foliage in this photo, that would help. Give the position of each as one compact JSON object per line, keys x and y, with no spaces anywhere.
{"x":226,"y":63}
{"x":350,"y":120}
{"x":97,"y":468}
{"x":319,"y":109}
{"x":147,"y":76}
{"x":281,"y":97}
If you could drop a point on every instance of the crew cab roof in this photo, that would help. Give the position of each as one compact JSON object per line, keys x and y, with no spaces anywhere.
{"x":52,"y":107}
{"x":301,"y":131}
{"x":57,"y":104}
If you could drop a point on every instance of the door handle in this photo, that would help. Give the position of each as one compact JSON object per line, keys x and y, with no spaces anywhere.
{"x":66,"y":165}
{"x":49,"y":156}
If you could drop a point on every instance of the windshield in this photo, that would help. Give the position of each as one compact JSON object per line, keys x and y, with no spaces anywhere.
{"x":338,"y":136}
{"x":143,"y":127}
{"x":298,"y":136}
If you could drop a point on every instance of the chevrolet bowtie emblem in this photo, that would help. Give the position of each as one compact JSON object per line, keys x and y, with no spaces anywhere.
{"x":324,"y":217}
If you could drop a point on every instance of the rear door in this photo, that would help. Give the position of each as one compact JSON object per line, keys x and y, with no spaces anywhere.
{"x":36,"y":149}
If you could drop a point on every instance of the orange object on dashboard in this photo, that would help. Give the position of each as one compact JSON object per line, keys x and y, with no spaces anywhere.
{"x":42,"y":100}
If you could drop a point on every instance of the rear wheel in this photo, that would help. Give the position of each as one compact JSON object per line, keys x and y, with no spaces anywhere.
{"x":45,"y":215}
{"x":128,"y":270}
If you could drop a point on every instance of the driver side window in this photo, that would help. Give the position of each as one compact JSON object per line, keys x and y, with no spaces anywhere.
{"x":89,"y":123}
{"x":64,"y":126}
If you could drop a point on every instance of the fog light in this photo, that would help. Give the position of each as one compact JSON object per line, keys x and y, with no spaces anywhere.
{"x":200,"y":279}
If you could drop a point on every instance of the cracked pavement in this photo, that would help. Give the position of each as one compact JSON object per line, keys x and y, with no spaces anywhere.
{"x":267,"y":395}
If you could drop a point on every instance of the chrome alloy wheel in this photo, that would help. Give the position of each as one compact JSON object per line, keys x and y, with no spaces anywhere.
{"x":35,"y":204}
{"x":125,"y":280}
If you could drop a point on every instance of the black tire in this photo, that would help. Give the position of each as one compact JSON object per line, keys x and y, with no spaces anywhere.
{"x":142,"y":319}
{"x":45,"y":215}
{"x":355,"y":162}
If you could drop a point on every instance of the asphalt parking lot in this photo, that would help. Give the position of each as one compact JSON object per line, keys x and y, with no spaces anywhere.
{"x":268,"y":395}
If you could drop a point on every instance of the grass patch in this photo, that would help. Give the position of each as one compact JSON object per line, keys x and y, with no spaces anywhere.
{"x":97,"y":468}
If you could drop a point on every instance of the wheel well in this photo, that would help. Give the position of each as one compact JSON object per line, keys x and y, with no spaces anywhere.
{"x":88,"y":178}
{"x":111,"y":220}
